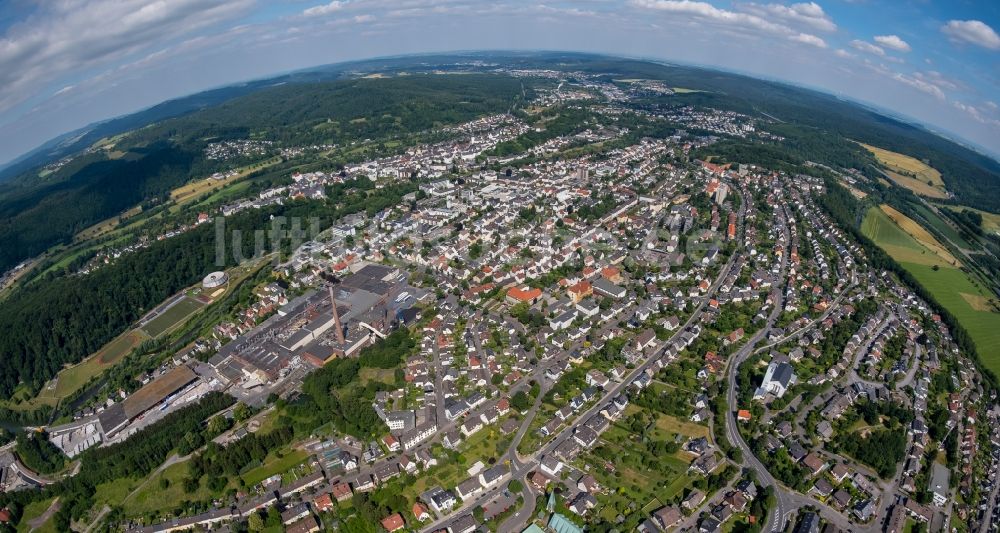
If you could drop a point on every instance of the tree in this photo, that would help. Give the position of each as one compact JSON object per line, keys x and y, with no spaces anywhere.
{"x":515,"y":486}
{"x":520,"y":401}
{"x":241,"y":412}
{"x":218,"y":424}
{"x":38,"y":453}
{"x":255,"y":523}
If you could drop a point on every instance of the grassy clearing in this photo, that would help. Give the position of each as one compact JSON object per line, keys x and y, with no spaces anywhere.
{"x":173,"y":316}
{"x":114,"y":492}
{"x":383,"y":375}
{"x":630,"y":477}
{"x":274,"y":465}
{"x":672,"y":424}
{"x":152,"y":498}
{"x":910,"y":172}
{"x":31,"y":512}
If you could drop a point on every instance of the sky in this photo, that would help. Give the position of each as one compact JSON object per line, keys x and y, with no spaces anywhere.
{"x":67,"y":63}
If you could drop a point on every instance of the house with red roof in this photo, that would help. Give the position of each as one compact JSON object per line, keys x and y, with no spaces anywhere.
{"x":393,"y":522}
{"x":516,"y":295}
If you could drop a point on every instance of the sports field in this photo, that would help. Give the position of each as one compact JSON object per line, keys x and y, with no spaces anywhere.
{"x":910,"y":172}
{"x":74,"y":377}
{"x":171,"y":317}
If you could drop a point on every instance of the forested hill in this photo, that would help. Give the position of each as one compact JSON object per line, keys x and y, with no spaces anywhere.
{"x":345,"y":110}
{"x":37,"y":214}
{"x":75,"y":141}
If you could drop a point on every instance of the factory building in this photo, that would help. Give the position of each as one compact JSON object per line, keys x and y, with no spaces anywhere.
{"x":337,"y":321}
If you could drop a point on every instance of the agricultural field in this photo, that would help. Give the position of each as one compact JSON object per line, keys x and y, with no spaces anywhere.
{"x":942,"y":226}
{"x":194,"y":189}
{"x":910,"y":172}
{"x":922,"y":188}
{"x":904,"y":239}
{"x":972,"y":305}
{"x":918,"y":232}
{"x":106,"y":226}
{"x":969,"y":303}
{"x":991,"y":221}
{"x":172,"y":316}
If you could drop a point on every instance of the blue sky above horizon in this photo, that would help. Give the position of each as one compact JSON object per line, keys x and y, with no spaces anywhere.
{"x":67,"y":63}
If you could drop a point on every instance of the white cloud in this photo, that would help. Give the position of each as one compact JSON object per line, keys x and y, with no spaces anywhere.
{"x":807,"y":38}
{"x":976,"y":113}
{"x":808,"y":13}
{"x":324,"y":9}
{"x":892,"y":41}
{"x":972,"y":32}
{"x":920,"y":85}
{"x":67,"y":37}
{"x":708,"y":13}
{"x":840,"y":52}
{"x":935,"y":77}
{"x":865,"y":46}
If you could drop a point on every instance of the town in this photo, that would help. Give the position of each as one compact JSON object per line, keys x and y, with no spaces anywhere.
{"x":600,"y":332}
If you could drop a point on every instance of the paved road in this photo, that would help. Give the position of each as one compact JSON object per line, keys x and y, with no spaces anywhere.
{"x":788,"y":501}
{"x":785,"y":506}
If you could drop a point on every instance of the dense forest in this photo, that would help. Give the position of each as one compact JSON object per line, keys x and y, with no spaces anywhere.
{"x":35,"y":218}
{"x":38,"y":454}
{"x":346,"y":110}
